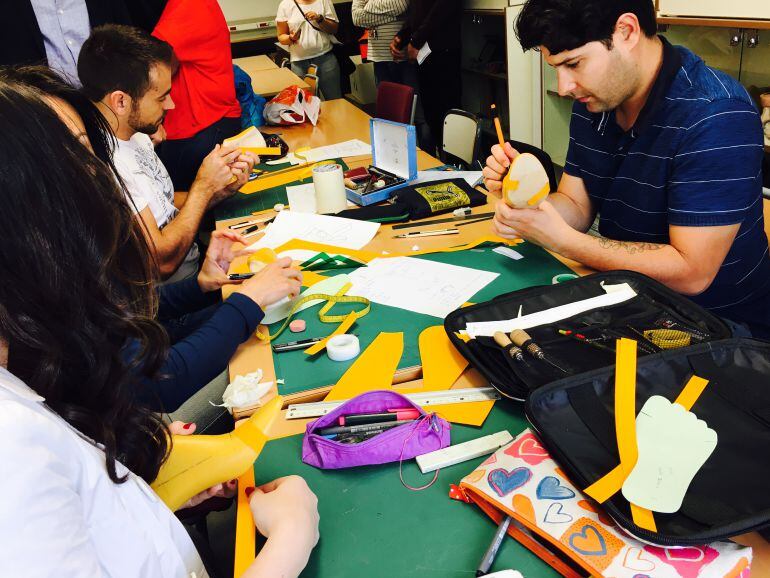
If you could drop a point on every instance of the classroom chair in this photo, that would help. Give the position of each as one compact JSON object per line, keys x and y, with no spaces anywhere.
{"x":395,"y":102}
{"x":285,"y":63}
{"x":460,"y":138}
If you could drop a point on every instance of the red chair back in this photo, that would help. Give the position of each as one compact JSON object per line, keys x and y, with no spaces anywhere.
{"x":394,"y":102}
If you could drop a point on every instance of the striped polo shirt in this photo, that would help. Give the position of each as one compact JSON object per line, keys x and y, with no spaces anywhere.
{"x":692,"y":159}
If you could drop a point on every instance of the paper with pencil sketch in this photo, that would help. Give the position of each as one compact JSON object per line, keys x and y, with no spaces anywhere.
{"x":345,"y":233}
{"x":348,"y":148}
{"x":418,"y":285}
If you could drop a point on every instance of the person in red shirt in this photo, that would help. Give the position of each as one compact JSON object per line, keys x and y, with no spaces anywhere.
{"x":203,"y":88}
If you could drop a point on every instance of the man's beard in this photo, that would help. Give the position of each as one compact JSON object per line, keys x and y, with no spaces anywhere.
{"x":144,"y":127}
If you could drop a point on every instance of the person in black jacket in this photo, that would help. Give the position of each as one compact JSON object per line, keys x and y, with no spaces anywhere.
{"x":435,"y":23}
{"x":24,"y":36}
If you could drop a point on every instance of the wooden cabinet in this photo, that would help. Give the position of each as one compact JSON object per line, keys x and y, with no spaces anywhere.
{"x":746,"y":9}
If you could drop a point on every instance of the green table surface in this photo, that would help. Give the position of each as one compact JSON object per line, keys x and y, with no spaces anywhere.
{"x":372,"y":526}
{"x":242,"y":205}
{"x":301,"y":372}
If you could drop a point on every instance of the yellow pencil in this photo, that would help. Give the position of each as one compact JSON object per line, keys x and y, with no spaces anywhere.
{"x":498,"y":128}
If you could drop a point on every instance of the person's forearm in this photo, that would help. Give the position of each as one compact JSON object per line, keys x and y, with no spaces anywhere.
{"x":178,"y":235}
{"x":284,"y":39}
{"x":375,"y":12}
{"x":577,"y":217}
{"x":282,"y":556}
{"x":659,"y":261}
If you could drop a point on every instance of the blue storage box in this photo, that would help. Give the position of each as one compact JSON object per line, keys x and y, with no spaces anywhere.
{"x":394,"y":159}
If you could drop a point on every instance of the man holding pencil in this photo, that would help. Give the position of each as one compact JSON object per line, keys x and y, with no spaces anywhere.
{"x":665,"y":150}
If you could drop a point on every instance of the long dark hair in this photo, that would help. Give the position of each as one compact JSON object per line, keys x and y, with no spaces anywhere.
{"x":76,"y":284}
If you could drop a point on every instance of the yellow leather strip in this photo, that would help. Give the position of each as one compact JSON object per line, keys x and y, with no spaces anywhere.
{"x":606,"y":487}
{"x":471,"y":245}
{"x":625,"y":404}
{"x":374,"y":368}
{"x":262,"y":150}
{"x":643,"y":518}
{"x":277,"y":179}
{"x":245,"y":531}
{"x":691,"y":392}
{"x":540,"y":195}
{"x":343,"y":327}
{"x":310,"y":278}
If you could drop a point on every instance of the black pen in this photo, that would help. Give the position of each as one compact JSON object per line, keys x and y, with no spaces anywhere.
{"x":250,"y":230}
{"x":294,"y":345}
{"x":240,"y":276}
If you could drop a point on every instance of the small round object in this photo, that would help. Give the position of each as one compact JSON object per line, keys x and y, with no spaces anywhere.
{"x":562,"y":277}
{"x":297,"y":326}
{"x":343,"y":347}
{"x":279,"y":207}
{"x":379,"y":184}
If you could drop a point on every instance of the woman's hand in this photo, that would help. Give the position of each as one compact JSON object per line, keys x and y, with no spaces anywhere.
{"x":213,"y":273}
{"x":273,"y":283}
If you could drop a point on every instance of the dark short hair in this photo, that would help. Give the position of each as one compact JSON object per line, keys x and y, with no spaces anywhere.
{"x":119,"y":57}
{"x":561,"y":25}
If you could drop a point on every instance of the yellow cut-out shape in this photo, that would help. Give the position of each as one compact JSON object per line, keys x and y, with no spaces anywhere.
{"x":374,"y":369}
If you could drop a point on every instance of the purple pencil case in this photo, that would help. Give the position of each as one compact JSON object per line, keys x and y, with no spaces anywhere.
{"x":404,"y":442}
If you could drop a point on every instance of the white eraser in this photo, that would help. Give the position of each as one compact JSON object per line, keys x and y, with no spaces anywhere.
{"x":463,"y":452}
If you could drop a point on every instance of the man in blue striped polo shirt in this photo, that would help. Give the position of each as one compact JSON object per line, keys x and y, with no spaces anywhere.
{"x":667,"y":151}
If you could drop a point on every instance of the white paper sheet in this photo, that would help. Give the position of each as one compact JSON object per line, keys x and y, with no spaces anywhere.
{"x":473,"y":178}
{"x":302,"y":198}
{"x":345,"y":233}
{"x":423,"y":53}
{"x":348,"y":148}
{"x":615,"y":294}
{"x":418,"y":285}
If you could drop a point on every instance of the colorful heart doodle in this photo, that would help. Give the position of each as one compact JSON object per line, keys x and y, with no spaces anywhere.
{"x":687,"y":561}
{"x":475,"y":476}
{"x":588,"y":542}
{"x":550,"y":488}
{"x":522,"y":505}
{"x":634,"y":560}
{"x":490,"y":460}
{"x":528,"y":448}
{"x":555,"y":515}
{"x":504,"y":482}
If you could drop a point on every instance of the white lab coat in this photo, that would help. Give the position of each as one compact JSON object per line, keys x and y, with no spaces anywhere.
{"x":62,"y":516}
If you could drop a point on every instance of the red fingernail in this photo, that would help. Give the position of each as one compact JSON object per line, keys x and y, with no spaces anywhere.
{"x":187,"y":426}
{"x":248,"y":491}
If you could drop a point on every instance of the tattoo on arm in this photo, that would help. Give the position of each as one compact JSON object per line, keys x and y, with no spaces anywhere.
{"x":632,"y":248}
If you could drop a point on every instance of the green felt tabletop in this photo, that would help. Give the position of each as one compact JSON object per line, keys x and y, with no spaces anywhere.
{"x":242,"y":205}
{"x":372,"y":526}
{"x":301,"y":372}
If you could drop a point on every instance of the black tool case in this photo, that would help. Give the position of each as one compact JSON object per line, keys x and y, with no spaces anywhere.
{"x":573,"y":413}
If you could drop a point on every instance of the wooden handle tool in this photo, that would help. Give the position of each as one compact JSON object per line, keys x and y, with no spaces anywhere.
{"x":513,"y":350}
{"x":523,"y":340}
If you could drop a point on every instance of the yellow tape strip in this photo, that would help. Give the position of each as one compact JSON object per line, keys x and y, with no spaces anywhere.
{"x":262,"y":150}
{"x":245,"y":531}
{"x":343,"y":328}
{"x":540,"y":195}
{"x":691,"y":392}
{"x":374,"y":368}
{"x":643,"y":518}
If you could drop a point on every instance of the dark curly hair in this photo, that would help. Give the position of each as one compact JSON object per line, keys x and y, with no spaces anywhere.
{"x":77,"y":283}
{"x":561,"y":25}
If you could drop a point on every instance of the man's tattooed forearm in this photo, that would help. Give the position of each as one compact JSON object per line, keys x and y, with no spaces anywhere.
{"x":631,"y":248}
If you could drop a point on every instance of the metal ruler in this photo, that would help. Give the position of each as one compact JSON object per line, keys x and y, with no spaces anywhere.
{"x":425,"y":400}
{"x":469,"y":217}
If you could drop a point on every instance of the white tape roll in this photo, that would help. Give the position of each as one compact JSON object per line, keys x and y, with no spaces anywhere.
{"x":329,"y":189}
{"x":343,"y":347}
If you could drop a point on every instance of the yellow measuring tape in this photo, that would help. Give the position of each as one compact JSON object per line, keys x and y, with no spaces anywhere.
{"x":668,"y":338}
{"x":331,"y":301}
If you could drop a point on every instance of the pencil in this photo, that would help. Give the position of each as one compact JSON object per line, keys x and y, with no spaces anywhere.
{"x":498,"y":128}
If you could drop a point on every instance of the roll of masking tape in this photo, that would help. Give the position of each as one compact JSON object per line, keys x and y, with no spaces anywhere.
{"x":329,"y":189}
{"x":562,"y":277}
{"x":343,"y":347}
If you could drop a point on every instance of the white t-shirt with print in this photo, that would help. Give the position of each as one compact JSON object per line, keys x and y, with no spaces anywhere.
{"x":149,"y":185}
{"x":312,"y":43}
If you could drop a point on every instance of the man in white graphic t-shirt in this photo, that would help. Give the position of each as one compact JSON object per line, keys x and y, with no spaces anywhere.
{"x":128,"y":73}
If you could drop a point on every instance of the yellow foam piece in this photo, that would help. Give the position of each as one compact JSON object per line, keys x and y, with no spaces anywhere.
{"x":245,"y":531}
{"x":343,"y":327}
{"x":374,"y":368}
{"x":526,"y":185}
{"x":197,"y":462}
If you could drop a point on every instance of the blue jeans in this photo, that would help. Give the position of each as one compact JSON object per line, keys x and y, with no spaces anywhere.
{"x":328,"y":74}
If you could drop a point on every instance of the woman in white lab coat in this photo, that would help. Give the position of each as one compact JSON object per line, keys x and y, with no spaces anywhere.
{"x":76,"y":448}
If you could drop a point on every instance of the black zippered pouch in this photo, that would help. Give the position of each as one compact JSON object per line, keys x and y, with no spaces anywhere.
{"x":584,"y":342}
{"x":574,"y":419}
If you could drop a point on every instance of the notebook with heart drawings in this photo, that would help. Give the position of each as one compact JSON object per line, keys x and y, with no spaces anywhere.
{"x":571,"y":532}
